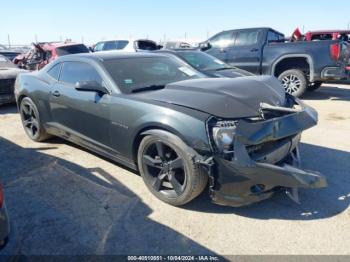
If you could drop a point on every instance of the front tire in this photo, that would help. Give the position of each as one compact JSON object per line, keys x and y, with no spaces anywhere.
{"x":168,"y":171}
{"x":294,"y":82}
{"x":31,"y":120}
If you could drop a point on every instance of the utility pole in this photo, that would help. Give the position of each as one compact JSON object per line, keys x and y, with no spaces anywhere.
{"x":82,"y":40}
{"x":8,"y":40}
{"x":36,"y":39}
{"x":185,"y":35}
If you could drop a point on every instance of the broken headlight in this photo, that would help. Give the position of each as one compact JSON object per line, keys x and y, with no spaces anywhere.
{"x":223,"y":135}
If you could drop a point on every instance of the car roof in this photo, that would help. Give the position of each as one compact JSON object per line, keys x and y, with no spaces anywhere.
{"x":254,"y":28}
{"x":175,"y":50}
{"x":131,"y":40}
{"x":52,"y":45}
{"x":111,"y":55}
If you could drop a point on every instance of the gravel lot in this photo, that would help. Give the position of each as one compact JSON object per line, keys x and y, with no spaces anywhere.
{"x":66,"y":200}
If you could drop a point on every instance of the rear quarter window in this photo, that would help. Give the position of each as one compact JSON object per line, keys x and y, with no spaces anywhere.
{"x":54,"y":71}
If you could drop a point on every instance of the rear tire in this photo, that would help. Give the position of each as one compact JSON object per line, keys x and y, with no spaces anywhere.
{"x":294,"y":82}
{"x":31,"y":120}
{"x":175,"y":183}
{"x":313,"y":86}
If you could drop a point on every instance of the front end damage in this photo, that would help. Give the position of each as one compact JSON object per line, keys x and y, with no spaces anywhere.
{"x":263,"y":157}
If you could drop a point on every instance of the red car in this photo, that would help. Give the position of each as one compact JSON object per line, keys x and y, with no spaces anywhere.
{"x":328,"y":35}
{"x":43,"y":53}
{"x":343,"y":35}
{"x":321,"y":35}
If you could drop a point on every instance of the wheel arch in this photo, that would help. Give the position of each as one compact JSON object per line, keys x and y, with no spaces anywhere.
{"x":293,"y":61}
{"x":149,"y":130}
{"x":20,"y":98}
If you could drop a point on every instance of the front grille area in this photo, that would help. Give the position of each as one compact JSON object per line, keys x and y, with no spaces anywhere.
{"x":7,"y":86}
{"x":258,"y":151}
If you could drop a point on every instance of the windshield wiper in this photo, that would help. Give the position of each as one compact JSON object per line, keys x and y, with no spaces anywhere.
{"x":224,"y":68}
{"x":147,"y":88}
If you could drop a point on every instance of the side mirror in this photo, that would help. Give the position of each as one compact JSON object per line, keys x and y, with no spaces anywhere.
{"x":204,"y":46}
{"x":91,"y":86}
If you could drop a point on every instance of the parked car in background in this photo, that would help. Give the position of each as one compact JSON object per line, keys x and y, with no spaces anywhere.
{"x":327,"y":35}
{"x":175,"y":45}
{"x":298,"y":65}
{"x":9,"y":53}
{"x":43,"y":53}
{"x":9,"y":244}
{"x":156,"y":114}
{"x":320,"y":35}
{"x":8,"y":74}
{"x":205,"y":63}
{"x":124,"y":45}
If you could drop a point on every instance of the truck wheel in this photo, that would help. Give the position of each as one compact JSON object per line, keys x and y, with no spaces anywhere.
{"x":313,"y":86}
{"x":168,"y":171}
{"x":294,"y":82}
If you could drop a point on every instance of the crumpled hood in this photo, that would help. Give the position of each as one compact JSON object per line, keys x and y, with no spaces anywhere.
{"x":230,"y":73}
{"x":222,"y":97}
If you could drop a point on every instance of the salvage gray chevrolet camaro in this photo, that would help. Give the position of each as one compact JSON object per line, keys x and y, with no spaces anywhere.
{"x":158,"y":115}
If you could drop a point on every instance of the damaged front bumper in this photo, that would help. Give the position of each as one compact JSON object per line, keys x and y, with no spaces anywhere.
{"x":264,"y":159}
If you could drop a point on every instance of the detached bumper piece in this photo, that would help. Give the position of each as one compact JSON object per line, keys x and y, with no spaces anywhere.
{"x":264,"y":159}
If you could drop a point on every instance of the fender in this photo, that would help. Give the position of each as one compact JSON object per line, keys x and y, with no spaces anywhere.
{"x":308,"y":58}
{"x":167,"y":135}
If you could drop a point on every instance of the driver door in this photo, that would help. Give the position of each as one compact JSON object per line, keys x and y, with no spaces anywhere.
{"x":82,"y":115}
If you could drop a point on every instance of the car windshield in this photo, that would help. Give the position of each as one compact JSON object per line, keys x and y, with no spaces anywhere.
{"x":202,"y":61}
{"x":71,"y":49}
{"x":148,"y":73}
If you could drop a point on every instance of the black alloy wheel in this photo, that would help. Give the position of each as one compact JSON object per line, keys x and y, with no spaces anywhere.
{"x":165,"y":168}
{"x":31,"y":120}
{"x":168,"y":170}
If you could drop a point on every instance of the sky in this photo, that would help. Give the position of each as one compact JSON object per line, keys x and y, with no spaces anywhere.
{"x":25,"y":21}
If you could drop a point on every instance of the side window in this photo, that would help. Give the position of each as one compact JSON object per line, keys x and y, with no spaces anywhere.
{"x":246,"y":38}
{"x":54,"y":72}
{"x":274,"y":37}
{"x":221,"y":40}
{"x":99,"y":47}
{"x":73,"y":72}
{"x":110,"y":45}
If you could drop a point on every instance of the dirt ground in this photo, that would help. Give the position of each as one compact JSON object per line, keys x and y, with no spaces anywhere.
{"x":66,"y":200}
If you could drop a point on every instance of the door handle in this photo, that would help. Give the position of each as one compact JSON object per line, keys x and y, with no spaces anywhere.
{"x":254,"y":50}
{"x":56,"y":93}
